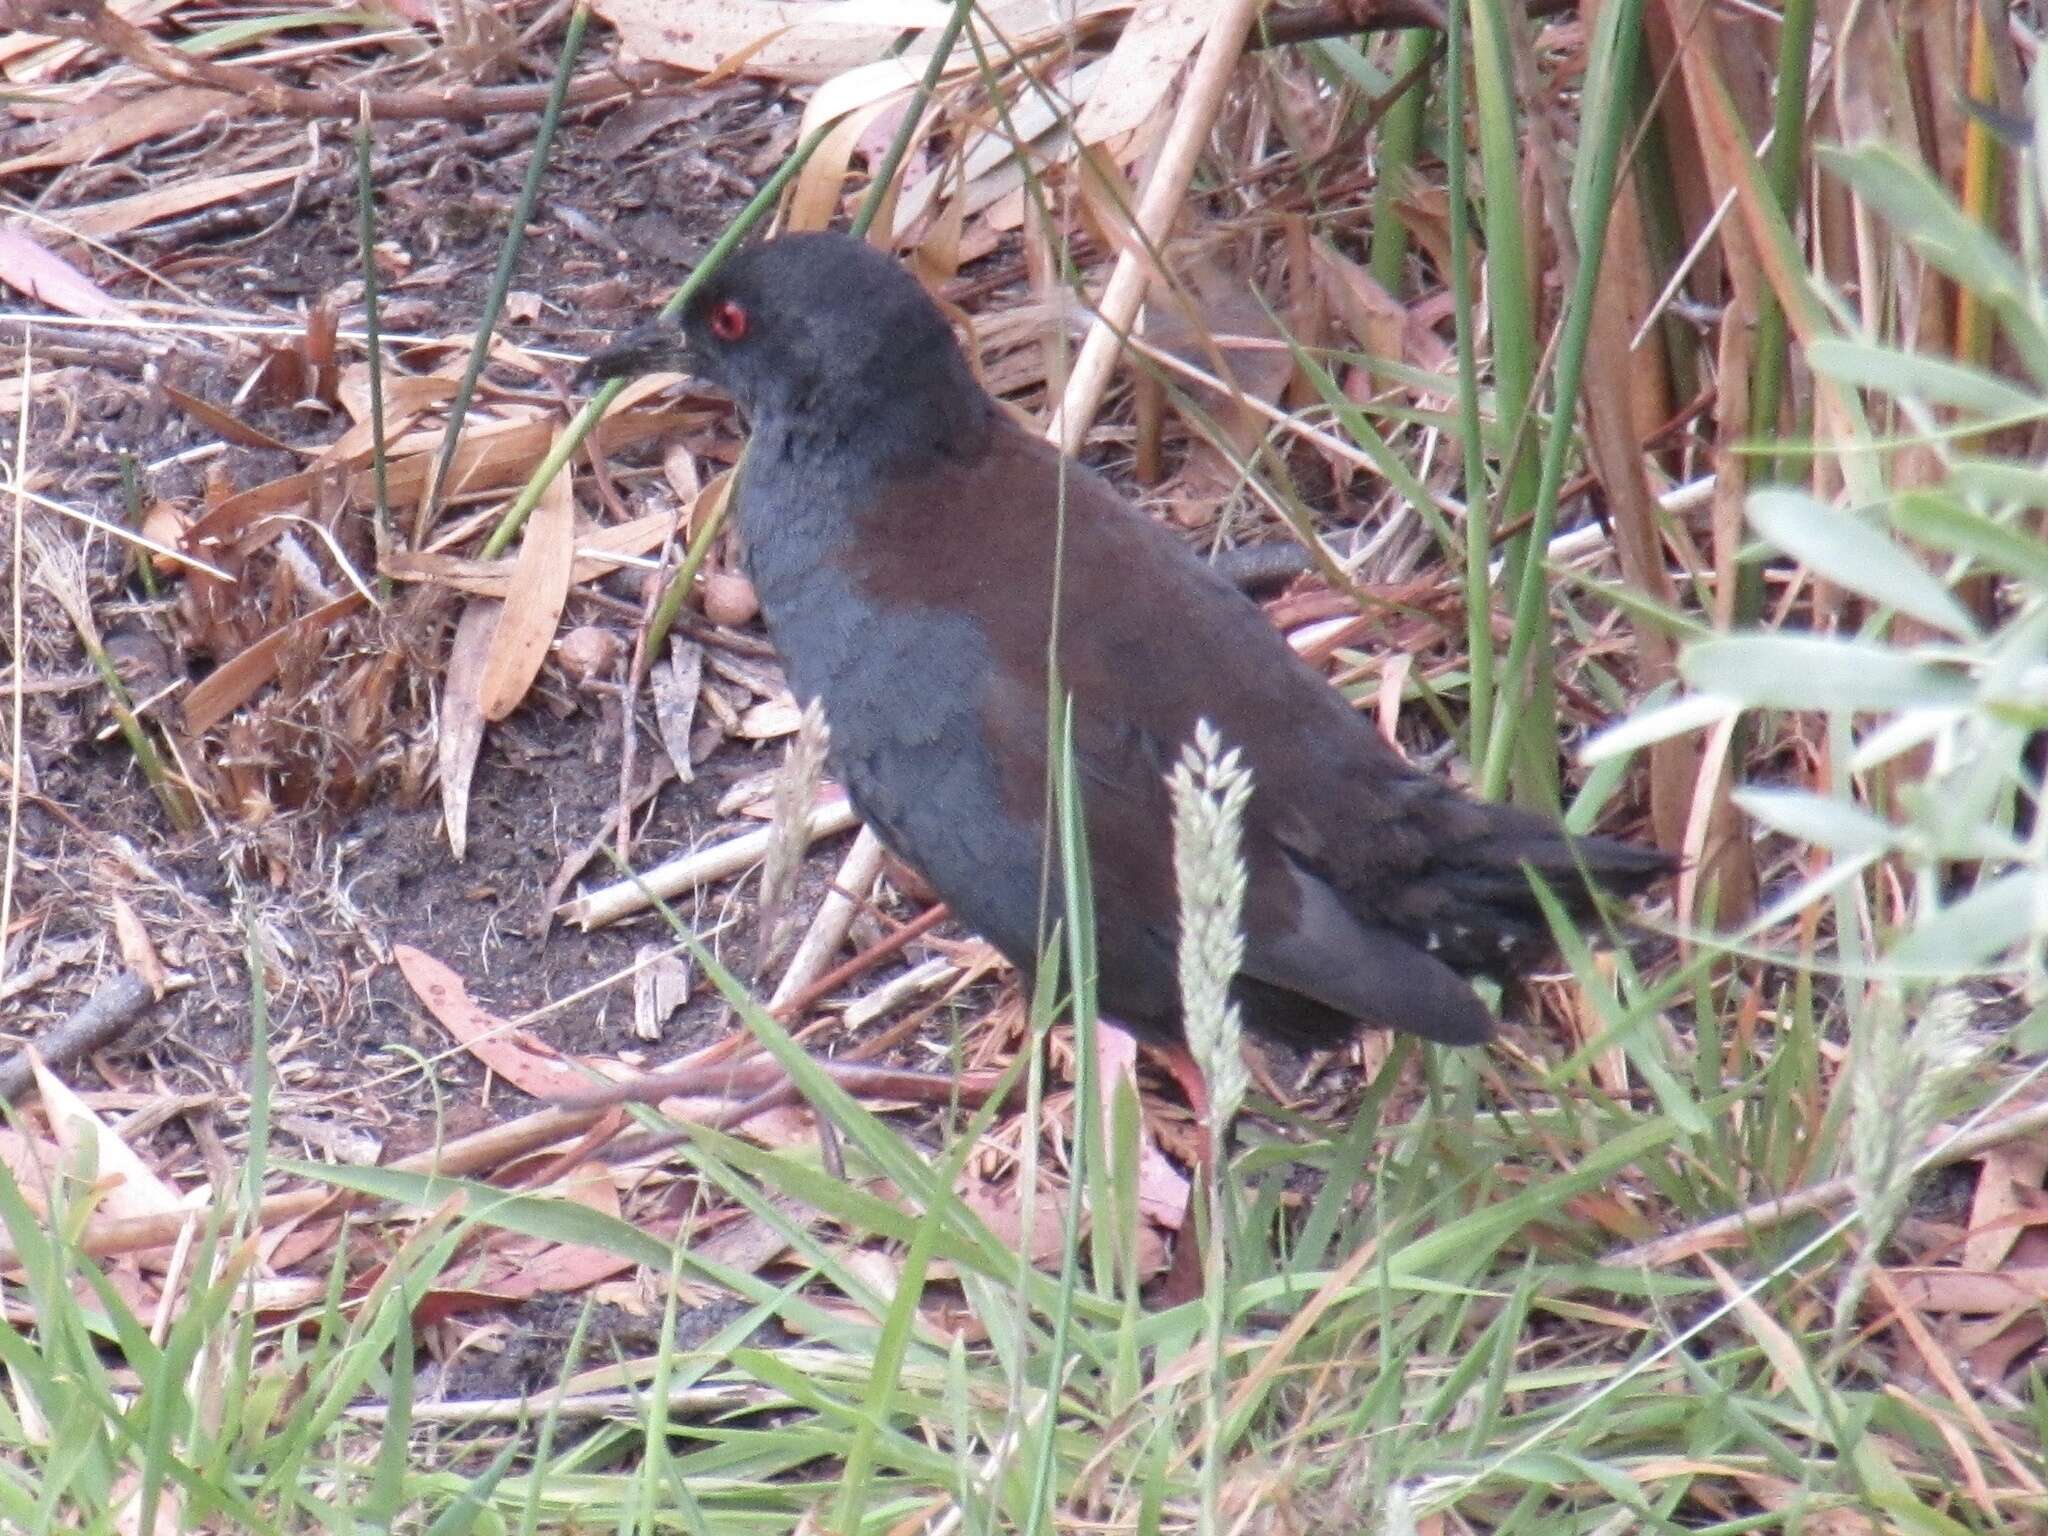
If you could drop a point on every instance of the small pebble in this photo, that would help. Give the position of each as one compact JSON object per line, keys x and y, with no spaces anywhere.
{"x":589,"y":651}
{"x":729,"y":598}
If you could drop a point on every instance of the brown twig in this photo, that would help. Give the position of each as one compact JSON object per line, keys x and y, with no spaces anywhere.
{"x":726,"y":1056}
{"x":760,"y":1074}
{"x":113,"y":1006}
{"x":491,"y":1148}
{"x":1727,"y":1231}
{"x":93,"y":22}
{"x":797,"y":1006}
{"x":781,"y":1089}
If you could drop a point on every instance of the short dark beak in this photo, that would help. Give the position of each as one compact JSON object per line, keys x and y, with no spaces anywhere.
{"x":648,"y":348}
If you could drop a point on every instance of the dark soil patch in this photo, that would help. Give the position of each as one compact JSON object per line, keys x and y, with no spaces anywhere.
{"x":624,"y":214}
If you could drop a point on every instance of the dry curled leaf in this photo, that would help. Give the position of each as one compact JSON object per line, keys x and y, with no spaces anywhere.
{"x":462,"y":718}
{"x":534,"y":601}
{"x":128,"y":1186}
{"x":41,"y":274}
{"x":137,"y":952}
{"x":119,"y":215}
{"x":661,"y":984}
{"x":238,"y":680}
{"x":512,"y":1054}
{"x":1143,"y":67}
{"x":676,"y":686}
{"x":110,"y":122}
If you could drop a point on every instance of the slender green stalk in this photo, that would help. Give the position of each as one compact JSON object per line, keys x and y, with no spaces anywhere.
{"x":386,"y":1496}
{"x":1782,"y":172}
{"x":594,"y":408}
{"x":131,"y":500}
{"x":255,"y":956}
{"x":1400,"y":138}
{"x":1511,"y":298}
{"x":1478,"y":499}
{"x":551,"y":1418}
{"x":891,"y":1350}
{"x":1079,"y":933}
{"x":508,"y":260}
{"x":170,"y":794}
{"x":913,"y":113}
{"x":366,"y":241}
{"x":1510,"y":288}
{"x":669,"y":607}
{"x":1593,"y":197}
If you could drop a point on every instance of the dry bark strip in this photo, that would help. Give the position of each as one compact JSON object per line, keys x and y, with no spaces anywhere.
{"x":487,"y":1149}
{"x":98,"y":1022}
{"x":95,"y":23}
{"x":1739,"y":1227}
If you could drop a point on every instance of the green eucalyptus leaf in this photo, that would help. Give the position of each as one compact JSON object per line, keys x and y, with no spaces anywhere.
{"x":1645,"y":727}
{"x":1846,"y":550}
{"x":1910,"y":375}
{"x":1999,"y":480}
{"x":1818,"y":673}
{"x":1904,"y":732}
{"x":1935,"y":517}
{"x":1921,"y":209}
{"x":1986,"y":924}
{"x":1819,"y":819}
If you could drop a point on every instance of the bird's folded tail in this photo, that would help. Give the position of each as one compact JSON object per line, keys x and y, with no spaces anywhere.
{"x":1482,"y":916}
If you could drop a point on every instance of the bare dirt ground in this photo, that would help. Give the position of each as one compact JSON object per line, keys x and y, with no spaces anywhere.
{"x":337,"y":880}
{"x":324,"y":823}
{"x":335,"y":885}
{"x":346,"y":856}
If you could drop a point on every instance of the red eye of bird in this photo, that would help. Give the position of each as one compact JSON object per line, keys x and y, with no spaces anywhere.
{"x":728,"y":320}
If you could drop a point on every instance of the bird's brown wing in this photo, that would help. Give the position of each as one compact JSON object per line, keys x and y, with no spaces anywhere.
{"x":1151,"y":642}
{"x":1342,"y":838}
{"x":1340,"y":825}
{"x":1322,"y":967}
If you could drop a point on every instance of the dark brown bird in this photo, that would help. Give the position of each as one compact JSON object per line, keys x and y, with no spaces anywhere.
{"x":900,"y":529}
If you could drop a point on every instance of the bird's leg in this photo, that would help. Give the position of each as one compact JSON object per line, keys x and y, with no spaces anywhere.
{"x":1181,"y":1067}
{"x":1116,"y":1054}
{"x":1184,"y":1280}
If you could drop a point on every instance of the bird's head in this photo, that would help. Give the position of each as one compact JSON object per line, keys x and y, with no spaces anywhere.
{"x":805,"y":326}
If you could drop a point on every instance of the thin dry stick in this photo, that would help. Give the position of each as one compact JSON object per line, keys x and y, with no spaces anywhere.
{"x":762,"y":1074}
{"x":801,"y":1003}
{"x":1725,"y":1230}
{"x":742,"y":1044}
{"x":17,"y":755}
{"x":490,"y":1148}
{"x":850,"y":887}
{"x":1158,"y":205}
{"x":594,"y":909}
{"x":98,"y":1020}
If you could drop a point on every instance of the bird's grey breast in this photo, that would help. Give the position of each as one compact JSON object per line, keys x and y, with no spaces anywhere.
{"x":904,"y":683}
{"x":904,"y":668}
